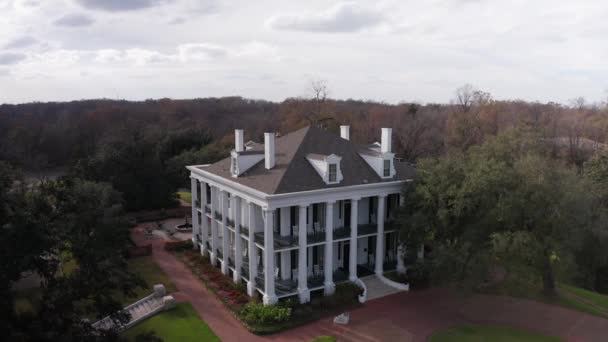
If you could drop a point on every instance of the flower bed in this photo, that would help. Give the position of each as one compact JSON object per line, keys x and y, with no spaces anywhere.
{"x":178,"y":245}
{"x":256,"y":317}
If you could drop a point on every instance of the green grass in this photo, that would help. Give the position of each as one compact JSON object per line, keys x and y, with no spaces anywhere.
{"x":148,"y":270}
{"x":185,"y":196}
{"x":324,"y":339}
{"x":180,"y":324}
{"x":489,"y":333}
{"x":597,"y":299}
{"x":530,"y":289}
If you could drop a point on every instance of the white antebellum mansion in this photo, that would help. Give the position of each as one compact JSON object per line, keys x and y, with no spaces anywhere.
{"x":300,"y":212}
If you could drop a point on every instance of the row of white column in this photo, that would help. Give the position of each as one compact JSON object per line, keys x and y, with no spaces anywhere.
{"x":221,"y":196}
{"x":219,"y":200}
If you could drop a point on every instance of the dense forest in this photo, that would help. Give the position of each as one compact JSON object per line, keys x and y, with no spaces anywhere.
{"x":141,"y":147}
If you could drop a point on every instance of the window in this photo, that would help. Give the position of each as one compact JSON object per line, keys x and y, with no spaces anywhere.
{"x":333,"y":173}
{"x":387,"y":168}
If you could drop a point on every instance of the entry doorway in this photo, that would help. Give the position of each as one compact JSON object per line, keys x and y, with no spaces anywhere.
{"x":346,"y":254}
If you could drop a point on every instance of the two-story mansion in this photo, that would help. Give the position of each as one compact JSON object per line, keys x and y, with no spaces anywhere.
{"x":300,"y":212}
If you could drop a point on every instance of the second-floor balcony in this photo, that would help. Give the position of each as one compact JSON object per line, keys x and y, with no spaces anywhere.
{"x":280,"y":242}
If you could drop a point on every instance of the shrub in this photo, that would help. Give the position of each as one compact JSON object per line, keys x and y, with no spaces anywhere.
{"x":178,"y":245}
{"x":346,"y":294}
{"x":418,"y":275}
{"x":256,"y":313}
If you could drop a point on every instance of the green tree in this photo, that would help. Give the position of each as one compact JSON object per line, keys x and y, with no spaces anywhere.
{"x":133,"y":166}
{"x":74,"y":235}
{"x":499,"y":204}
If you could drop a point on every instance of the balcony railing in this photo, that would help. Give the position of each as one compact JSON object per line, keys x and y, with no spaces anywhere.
{"x":245,"y":270}
{"x":315,"y":280}
{"x":207,"y":209}
{"x":218,"y":216}
{"x":341,"y":233}
{"x":219,"y":254}
{"x":285,"y":286}
{"x":279,"y":241}
{"x":365,"y":229}
{"x":315,"y":236}
{"x":245,"y":230}
{"x":230,"y":222}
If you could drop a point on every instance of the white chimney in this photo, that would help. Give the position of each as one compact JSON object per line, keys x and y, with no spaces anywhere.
{"x":386,"y":140}
{"x":239,"y":144}
{"x":269,"y":150}
{"x":345,"y":132}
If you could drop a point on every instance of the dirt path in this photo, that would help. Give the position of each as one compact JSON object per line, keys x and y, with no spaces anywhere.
{"x":403,"y":316}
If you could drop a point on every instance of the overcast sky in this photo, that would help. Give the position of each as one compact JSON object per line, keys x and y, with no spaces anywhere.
{"x":402,"y":50}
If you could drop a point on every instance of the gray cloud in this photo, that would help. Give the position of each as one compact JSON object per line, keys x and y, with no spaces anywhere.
{"x":21,"y":42}
{"x":120,"y":5}
{"x":8,"y":58}
{"x":344,"y":17}
{"x":177,"y":21}
{"x":75,"y":20}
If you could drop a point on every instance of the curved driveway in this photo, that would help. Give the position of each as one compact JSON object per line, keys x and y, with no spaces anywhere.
{"x":404,"y":316}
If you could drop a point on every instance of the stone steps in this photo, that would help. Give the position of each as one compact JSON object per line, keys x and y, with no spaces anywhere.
{"x":376,"y":288}
{"x":141,"y":309}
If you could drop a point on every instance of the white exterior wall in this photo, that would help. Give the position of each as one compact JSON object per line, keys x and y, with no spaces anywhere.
{"x":281,"y":203}
{"x":364,"y":211}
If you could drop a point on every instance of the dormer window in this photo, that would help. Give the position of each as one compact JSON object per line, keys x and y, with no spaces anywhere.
{"x":333,"y":173}
{"x":387,"y":168}
{"x":328,"y":167}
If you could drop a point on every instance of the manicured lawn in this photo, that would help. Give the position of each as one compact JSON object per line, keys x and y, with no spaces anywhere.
{"x":148,"y":270}
{"x":324,"y":339}
{"x":180,"y":324}
{"x":185,"y":196}
{"x":489,"y":333}
{"x":597,"y":299}
{"x":533,"y":290}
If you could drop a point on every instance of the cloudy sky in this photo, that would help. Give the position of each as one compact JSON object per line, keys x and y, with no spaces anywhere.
{"x":401,"y":50}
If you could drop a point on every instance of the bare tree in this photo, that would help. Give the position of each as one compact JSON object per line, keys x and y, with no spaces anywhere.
{"x":464,"y":97}
{"x":319,"y":95}
{"x":578,"y":103}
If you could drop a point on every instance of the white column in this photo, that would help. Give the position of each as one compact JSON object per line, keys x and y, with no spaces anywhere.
{"x":193,"y":189}
{"x":252,"y":250}
{"x":204,"y":228}
{"x":303,"y":291}
{"x":380,"y":238}
{"x":214,"y":246}
{"x":285,"y":231}
{"x":329,"y":249}
{"x":354,"y":215}
{"x":269,"y":295}
{"x":238,"y":249}
{"x":225,"y":231}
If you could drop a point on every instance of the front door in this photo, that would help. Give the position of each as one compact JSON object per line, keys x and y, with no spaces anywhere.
{"x":346,"y":254}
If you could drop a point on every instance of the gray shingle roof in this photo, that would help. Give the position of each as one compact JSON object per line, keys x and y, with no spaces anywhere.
{"x":293,"y":172}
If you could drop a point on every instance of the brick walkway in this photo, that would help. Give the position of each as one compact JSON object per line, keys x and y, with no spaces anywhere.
{"x":412,"y":316}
